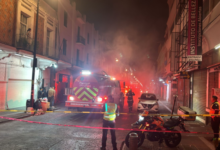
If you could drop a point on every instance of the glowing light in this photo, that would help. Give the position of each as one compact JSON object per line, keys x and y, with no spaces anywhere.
{"x":86,"y":72}
{"x":116,"y":60}
{"x":160,"y":80}
{"x":217,"y":46}
{"x":99,"y":99}
{"x":126,"y":69}
{"x":113,"y":78}
{"x":71,"y":98}
{"x":141,"y":118}
{"x":55,"y":66}
{"x":105,"y":97}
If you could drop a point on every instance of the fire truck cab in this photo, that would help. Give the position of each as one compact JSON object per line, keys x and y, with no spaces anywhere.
{"x":91,"y":91}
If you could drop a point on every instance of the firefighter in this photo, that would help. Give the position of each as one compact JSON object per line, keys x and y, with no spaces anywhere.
{"x":109,"y":109}
{"x":214,"y":119}
{"x":130,"y":95}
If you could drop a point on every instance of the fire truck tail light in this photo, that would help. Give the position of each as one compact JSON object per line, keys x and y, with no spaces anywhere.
{"x":71,"y":98}
{"x":147,"y":124}
{"x":99,"y":99}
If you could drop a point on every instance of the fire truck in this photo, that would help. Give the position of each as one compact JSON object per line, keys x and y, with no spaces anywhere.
{"x":91,"y":90}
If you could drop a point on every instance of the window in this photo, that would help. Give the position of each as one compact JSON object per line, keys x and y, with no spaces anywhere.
{"x":146,"y":96}
{"x":64,"y":46}
{"x":205,"y":8}
{"x":87,"y":59}
{"x":88,"y":38}
{"x":78,"y":34}
{"x":56,"y":38}
{"x":23,"y":24}
{"x":94,"y":42}
{"x":77,"y":57}
{"x":65,"y":18}
{"x":48,"y":42}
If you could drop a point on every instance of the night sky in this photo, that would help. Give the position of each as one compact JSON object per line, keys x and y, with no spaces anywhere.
{"x":134,"y":27}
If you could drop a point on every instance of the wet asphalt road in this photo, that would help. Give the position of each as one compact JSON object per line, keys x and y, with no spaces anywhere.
{"x":29,"y":136}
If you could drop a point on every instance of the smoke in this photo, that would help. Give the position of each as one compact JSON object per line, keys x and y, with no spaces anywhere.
{"x":134,"y":28}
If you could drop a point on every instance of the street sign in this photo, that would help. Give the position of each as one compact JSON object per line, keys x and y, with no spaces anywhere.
{"x":184,"y":75}
{"x":194,"y":58}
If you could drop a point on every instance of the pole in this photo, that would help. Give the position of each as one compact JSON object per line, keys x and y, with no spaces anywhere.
{"x":34,"y":55}
{"x":173,"y":106}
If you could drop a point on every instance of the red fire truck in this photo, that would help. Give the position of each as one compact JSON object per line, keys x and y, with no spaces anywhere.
{"x":91,"y":90}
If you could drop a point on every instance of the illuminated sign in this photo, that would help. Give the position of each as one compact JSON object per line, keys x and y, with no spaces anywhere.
{"x":195,"y":27}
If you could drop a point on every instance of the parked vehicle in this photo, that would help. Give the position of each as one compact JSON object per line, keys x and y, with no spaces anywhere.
{"x":149,"y":102}
{"x":156,"y":123}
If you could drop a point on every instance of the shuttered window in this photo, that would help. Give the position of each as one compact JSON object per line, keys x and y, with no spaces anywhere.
{"x":199,"y":91}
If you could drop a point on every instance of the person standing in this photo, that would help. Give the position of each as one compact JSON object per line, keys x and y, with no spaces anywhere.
{"x":28,"y":38}
{"x":39,"y":95}
{"x":215,"y":120}
{"x":109,"y":109}
{"x":51,"y":95}
{"x":130,"y":95}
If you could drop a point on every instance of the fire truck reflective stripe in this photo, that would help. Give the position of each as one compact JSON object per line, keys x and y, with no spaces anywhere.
{"x":89,"y":90}
{"x":80,"y":89}
{"x":85,"y":99}
{"x":84,"y":93}
{"x":74,"y":89}
{"x":96,"y":89}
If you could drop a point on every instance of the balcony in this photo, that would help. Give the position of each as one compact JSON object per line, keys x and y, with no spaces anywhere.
{"x":24,"y":43}
{"x":80,"y":63}
{"x":81,"y":40}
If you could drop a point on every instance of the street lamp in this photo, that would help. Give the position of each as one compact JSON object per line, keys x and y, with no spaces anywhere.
{"x":116,"y":60}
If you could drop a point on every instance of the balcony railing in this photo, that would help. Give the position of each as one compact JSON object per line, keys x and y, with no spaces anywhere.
{"x":81,"y":40}
{"x":80,"y":63}
{"x":25,"y":43}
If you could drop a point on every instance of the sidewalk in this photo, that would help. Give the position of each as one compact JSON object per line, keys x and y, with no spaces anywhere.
{"x":17,"y":115}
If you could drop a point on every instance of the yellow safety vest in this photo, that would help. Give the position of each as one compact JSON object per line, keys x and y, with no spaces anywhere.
{"x":110,"y":109}
{"x":212,"y":111}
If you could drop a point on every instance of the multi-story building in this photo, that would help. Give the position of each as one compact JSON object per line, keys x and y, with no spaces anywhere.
{"x":61,"y":48}
{"x":17,"y":43}
{"x":195,"y":90}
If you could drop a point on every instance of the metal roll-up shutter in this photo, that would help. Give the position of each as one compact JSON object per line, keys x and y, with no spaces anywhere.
{"x":199,"y":91}
{"x":186,"y":92}
{"x":213,"y":83}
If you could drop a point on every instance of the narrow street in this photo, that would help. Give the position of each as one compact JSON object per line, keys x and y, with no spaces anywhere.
{"x":16,"y":135}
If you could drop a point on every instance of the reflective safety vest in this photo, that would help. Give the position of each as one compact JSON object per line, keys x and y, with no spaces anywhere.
{"x":212,"y":111}
{"x":110,"y":109}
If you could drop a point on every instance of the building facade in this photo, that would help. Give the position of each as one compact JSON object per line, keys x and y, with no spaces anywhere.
{"x":193,"y":82}
{"x":61,"y":48}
